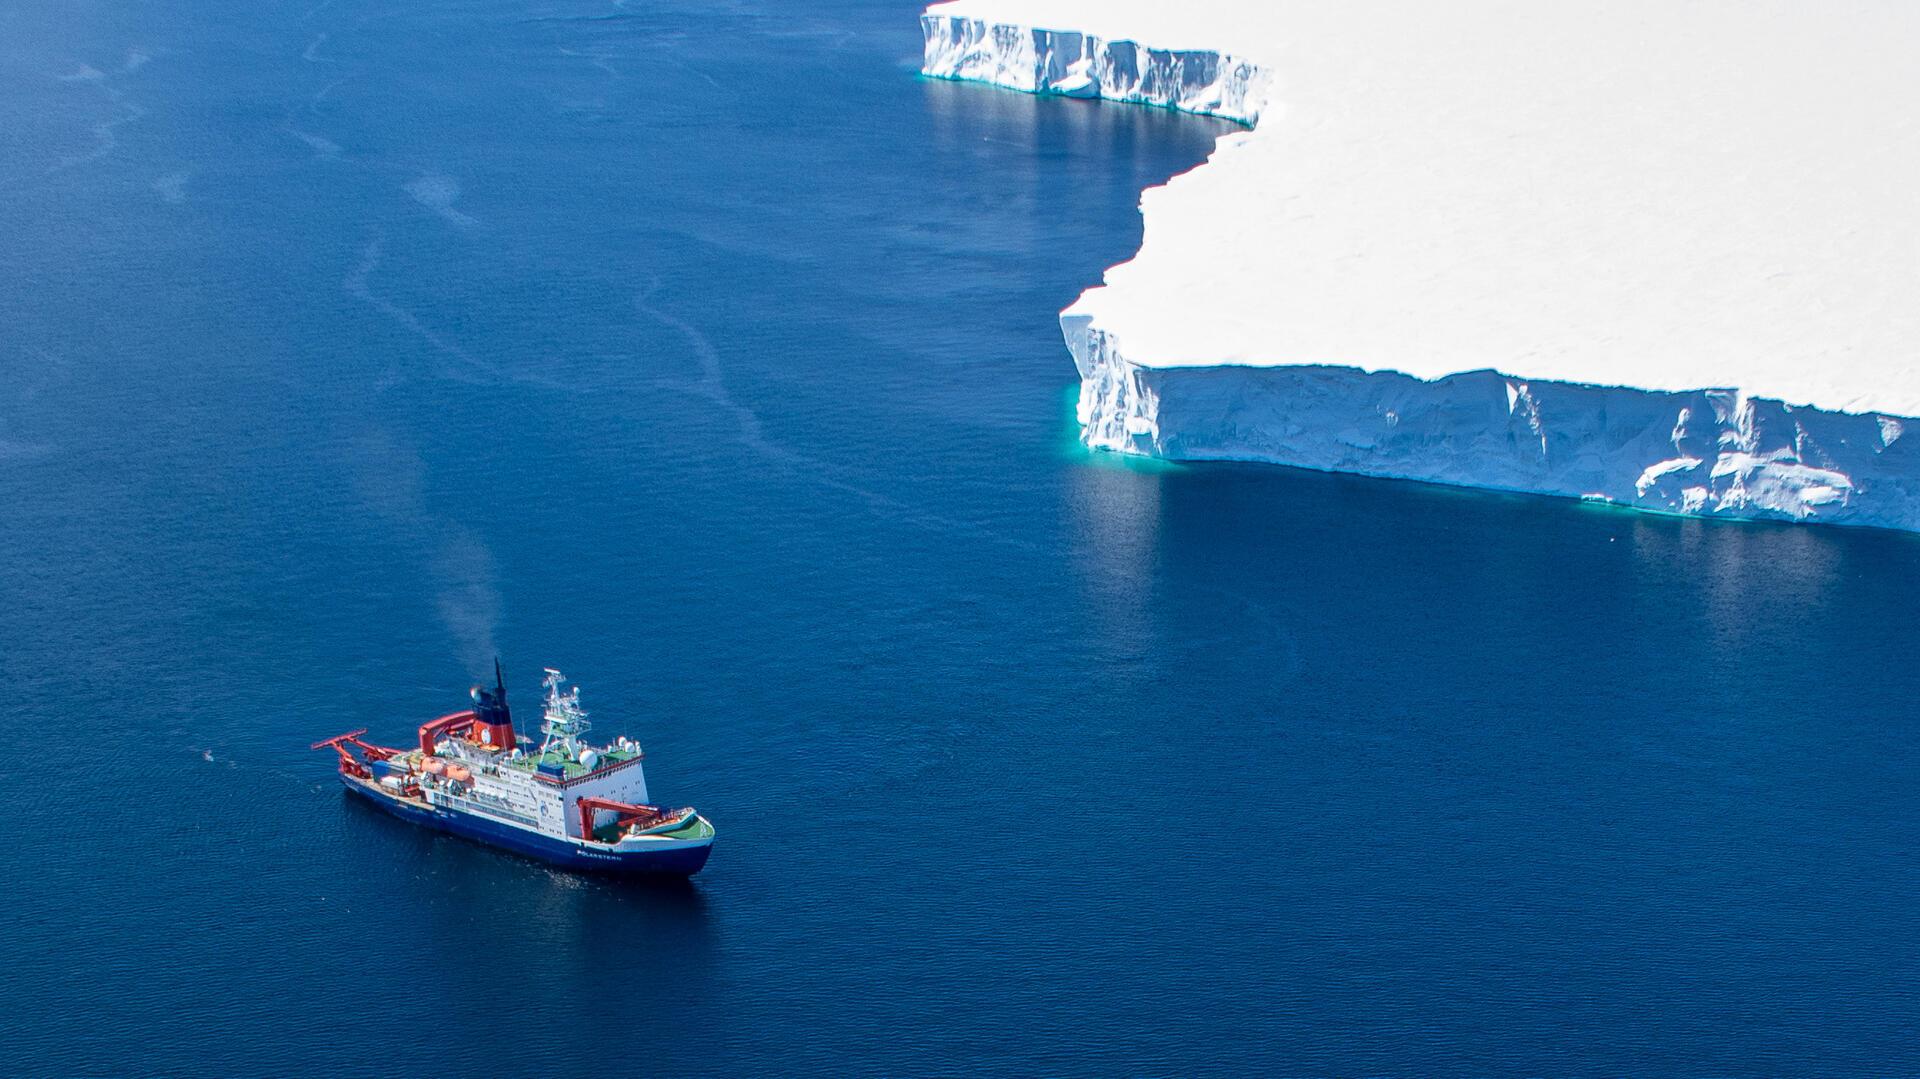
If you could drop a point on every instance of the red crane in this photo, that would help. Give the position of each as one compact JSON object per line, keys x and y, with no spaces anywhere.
{"x":350,"y":764}
{"x":447,"y":724}
{"x":625,"y":814}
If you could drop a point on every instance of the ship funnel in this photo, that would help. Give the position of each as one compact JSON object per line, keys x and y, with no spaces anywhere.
{"x":492,"y":720}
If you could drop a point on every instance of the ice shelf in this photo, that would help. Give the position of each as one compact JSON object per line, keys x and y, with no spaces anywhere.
{"x":1664,"y":255}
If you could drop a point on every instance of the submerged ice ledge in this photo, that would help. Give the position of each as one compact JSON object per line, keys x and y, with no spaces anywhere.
{"x":1174,"y":351}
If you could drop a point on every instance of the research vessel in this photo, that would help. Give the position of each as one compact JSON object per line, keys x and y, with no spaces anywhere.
{"x":563,"y":800}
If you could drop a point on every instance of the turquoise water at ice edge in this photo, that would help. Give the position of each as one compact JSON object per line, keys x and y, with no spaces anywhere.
{"x":707,"y":353}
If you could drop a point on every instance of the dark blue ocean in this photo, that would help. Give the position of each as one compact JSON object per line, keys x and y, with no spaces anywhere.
{"x":703,"y":351}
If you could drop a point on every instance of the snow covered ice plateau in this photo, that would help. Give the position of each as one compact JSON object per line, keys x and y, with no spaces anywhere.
{"x":1663,"y":255}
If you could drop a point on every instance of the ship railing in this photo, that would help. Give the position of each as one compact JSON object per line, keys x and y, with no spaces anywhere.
{"x":491,"y":808}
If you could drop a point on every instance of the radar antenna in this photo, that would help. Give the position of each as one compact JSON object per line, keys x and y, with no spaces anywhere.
{"x":564,"y":721}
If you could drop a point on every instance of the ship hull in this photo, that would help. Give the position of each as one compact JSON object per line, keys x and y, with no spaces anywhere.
{"x":677,"y":861}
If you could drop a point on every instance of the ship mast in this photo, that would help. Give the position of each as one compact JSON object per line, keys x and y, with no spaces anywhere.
{"x":564,"y":721}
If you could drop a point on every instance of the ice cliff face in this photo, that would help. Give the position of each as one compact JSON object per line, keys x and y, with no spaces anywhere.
{"x":1705,"y":452}
{"x":1074,"y":64}
{"x":1303,"y":299}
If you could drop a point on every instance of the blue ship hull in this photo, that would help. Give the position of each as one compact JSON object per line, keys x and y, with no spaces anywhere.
{"x":677,"y":862}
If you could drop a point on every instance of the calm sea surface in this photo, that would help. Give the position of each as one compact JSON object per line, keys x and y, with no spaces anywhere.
{"x":706,"y":353}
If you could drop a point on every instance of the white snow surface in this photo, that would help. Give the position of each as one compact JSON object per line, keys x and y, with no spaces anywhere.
{"x":1663,"y":253}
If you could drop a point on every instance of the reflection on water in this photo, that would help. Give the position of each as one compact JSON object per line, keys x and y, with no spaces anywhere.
{"x":1114,"y":532}
{"x":595,"y":937}
{"x":974,"y":127}
{"x":1757,"y":576}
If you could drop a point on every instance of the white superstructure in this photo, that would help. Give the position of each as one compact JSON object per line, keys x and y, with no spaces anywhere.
{"x":541,"y":789}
